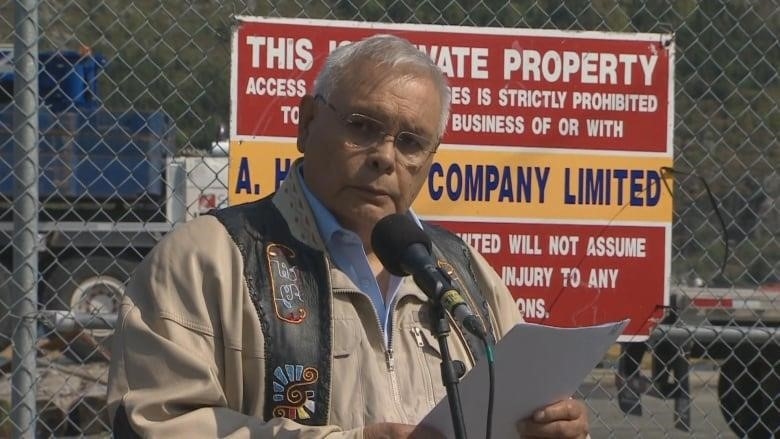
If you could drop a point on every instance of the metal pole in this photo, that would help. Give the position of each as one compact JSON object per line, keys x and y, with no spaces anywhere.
{"x":68,"y":321}
{"x":706,"y":335}
{"x":25,"y":210}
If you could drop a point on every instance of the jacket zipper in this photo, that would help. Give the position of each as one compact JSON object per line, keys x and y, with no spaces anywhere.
{"x":391,"y":364}
{"x":417,"y":333}
{"x":388,"y":351}
{"x":429,"y":392}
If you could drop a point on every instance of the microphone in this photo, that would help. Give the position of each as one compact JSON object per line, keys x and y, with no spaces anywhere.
{"x":404,"y":249}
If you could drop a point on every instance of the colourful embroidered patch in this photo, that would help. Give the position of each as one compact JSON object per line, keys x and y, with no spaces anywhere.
{"x":294,"y":391}
{"x":286,"y":285}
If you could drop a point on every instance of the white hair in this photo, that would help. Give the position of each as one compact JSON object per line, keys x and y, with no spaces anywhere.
{"x":386,"y":51}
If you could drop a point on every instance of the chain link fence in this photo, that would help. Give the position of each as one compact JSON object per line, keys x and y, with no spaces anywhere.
{"x":131,"y":118}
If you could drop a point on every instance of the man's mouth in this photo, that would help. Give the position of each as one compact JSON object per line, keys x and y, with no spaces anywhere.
{"x":372,"y":191}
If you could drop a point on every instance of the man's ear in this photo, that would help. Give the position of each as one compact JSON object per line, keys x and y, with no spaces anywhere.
{"x":305,"y":116}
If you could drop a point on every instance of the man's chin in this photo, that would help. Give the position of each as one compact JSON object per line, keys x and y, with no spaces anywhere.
{"x":367,"y":215}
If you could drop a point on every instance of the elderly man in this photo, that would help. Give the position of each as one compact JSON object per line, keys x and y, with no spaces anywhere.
{"x":277,"y":319}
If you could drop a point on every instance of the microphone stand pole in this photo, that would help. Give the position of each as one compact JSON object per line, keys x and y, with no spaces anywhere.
{"x":449,"y":375}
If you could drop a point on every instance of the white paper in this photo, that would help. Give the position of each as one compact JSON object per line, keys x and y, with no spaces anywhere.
{"x":535,"y":365}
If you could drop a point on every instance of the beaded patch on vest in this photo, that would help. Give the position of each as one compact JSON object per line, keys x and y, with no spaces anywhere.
{"x":294,"y":390}
{"x":286,"y":287}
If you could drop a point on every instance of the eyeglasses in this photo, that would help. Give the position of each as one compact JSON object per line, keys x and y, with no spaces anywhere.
{"x":366,"y":132}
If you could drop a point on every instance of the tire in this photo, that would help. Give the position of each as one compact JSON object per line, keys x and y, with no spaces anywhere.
{"x":749,"y":391}
{"x":92,"y":285}
{"x":6,"y":320}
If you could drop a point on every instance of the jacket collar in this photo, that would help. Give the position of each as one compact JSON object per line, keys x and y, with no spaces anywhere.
{"x":295,"y":209}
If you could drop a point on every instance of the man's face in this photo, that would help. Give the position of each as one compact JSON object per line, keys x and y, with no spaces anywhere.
{"x":360,"y":186}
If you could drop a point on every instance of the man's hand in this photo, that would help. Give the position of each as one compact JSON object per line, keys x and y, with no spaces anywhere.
{"x":565,"y":419}
{"x":389,"y":430}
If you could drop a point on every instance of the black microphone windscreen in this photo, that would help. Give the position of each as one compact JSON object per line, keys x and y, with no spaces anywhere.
{"x":391,"y":236}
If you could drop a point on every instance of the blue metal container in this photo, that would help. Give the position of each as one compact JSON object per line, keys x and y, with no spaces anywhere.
{"x":97,"y":155}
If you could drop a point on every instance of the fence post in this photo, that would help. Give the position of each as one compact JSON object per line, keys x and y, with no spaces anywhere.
{"x":25,"y":211}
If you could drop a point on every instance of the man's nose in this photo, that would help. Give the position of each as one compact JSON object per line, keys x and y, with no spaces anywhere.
{"x":383,"y":154}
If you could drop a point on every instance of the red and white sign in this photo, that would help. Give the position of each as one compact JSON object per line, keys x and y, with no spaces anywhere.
{"x":555,"y":138}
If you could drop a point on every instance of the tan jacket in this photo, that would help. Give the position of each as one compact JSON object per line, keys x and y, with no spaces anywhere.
{"x":188,"y":357}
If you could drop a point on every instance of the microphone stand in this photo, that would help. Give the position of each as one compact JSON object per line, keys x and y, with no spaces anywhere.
{"x":449,"y":374}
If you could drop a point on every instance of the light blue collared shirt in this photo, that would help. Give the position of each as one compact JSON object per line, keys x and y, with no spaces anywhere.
{"x":347,"y":252}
